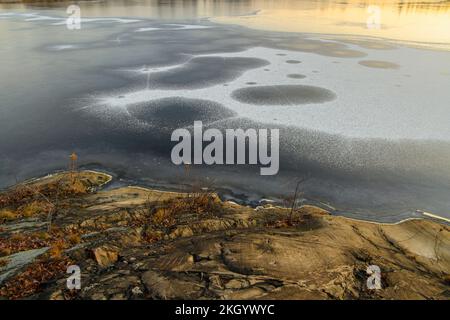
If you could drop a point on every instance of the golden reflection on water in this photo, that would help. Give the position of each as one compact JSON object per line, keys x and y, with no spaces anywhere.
{"x":423,"y":21}
{"x":412,"y":21}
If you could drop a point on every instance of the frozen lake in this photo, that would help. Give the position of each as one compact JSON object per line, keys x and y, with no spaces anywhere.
{"x":367,"y":118}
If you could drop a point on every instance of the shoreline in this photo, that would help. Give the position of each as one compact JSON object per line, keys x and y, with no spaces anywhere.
{"x":157,"y":240}
{"x":170,"y":246}
{"x":171,"y":191}
{"x":150,"y":189}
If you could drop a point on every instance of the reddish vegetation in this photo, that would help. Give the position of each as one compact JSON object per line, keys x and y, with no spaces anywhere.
{"x":56,"y":239}
{"x":33,"y":278}
{"x":31,"y":199}
{"x":199,"y":203}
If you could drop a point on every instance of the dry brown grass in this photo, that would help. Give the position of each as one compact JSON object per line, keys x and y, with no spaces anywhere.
{"x":163,"y":216}
{"x":198,"y":203}
{"x":3,"y":262}
{"x":5,"y":252}
{"x":7,"y":215}
{"x":34,"y":277}
{"x":284,"y":222}
{"x":62,"y":187}
{"x":204,"y":203}
{"x":19,"y":243}
{"x":57,"y":240}
{"x":43,"y":235}
{"x":286,"y":218}
{"x":15,"y":196}
{"x":152,"y":236}
{"x":57,"y":248}
{"x":73,"y":238}
{"x":27,"y":210}
{"x":35,"y":208}
{"x":42,"y":198}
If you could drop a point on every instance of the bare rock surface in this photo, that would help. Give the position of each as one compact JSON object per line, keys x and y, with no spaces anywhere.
{"x":136,"y":243}
{"x":19,"y":260}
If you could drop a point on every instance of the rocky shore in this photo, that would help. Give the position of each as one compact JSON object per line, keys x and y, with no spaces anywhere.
{"x":137,"y":243}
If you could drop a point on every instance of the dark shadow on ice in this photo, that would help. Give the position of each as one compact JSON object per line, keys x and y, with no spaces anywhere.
{"x":172,"y":113}
{"x":283,"y":95}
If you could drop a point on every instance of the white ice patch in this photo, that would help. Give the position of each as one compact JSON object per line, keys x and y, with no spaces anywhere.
{"x":61,"y":47}
{"x":93,"y":20}
{"x":371,"y":103}
{"x":189,"y":26}
{"x":147,"y":70}
{"x":174,"y":27}
{"x":42,"y":18}
{"x":147,"y":29}
{"x":31,"y":17}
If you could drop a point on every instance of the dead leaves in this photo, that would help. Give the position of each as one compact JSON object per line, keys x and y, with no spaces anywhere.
{"x":33,"y":278}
